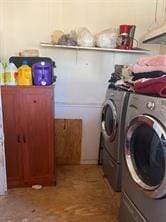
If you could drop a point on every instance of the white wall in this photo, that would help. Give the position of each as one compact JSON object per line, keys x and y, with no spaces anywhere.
{"x":82,"y":75}
{"x":82,"y":79}
{"x":27,"y":22}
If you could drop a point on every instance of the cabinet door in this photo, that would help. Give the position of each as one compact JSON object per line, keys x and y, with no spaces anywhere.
{"x":13,"y":146}
{"x":37,"y":129}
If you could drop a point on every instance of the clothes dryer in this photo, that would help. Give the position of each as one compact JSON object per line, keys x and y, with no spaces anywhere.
{"x":144,"y":163}
{"x":113,"y":119}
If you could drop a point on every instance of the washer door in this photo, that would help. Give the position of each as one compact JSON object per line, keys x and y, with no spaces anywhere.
{"x":109,"y":121}
{"x":145,"y":154}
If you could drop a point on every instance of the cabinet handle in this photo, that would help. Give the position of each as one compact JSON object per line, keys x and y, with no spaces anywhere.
{"x":24,"y":139}
{"x":18,"y":139}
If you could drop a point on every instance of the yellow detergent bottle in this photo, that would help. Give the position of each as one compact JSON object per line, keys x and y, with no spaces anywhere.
{"x":2,"y":75}
{"x":24,"y":75}
{"x":10,"y":74}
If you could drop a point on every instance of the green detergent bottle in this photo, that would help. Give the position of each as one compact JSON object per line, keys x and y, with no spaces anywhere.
{"x":2,"y":75}
{"x":11,"y":74}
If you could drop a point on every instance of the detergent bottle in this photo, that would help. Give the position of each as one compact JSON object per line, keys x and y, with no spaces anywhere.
{"x":10,"y":74}
{"x":24,"y":74}
{"x":2,"y":75}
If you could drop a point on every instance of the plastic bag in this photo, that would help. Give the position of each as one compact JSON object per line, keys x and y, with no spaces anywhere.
{"x":127,"y":73}
{"x":107,"y":39}
{"x":67,"y":40}
{"x":56,"y":35}
{"x":85,"y":38}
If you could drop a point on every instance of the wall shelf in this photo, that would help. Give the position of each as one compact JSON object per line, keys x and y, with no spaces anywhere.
{"x":135,"y":50}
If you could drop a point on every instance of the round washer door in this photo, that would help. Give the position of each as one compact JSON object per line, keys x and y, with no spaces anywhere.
{"x":145,"y":155}
{"x":109,"y":121}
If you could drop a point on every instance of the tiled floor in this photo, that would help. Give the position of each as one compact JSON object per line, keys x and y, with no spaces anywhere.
{"x":81,"y":195}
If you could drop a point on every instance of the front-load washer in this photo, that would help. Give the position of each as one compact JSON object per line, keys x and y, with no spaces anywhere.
{"x":144,"y":163}
{"x":113,"y":119}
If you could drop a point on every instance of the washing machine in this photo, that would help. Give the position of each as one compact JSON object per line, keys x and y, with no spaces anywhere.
{"x":113,"y":119}
{"x":144,"y":163}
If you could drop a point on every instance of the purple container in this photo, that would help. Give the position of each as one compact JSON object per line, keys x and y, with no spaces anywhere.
{"x":42,"y":74}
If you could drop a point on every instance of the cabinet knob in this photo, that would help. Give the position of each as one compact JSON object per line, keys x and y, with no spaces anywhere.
{"x":24,"y":139}
{"x":18,"y":139}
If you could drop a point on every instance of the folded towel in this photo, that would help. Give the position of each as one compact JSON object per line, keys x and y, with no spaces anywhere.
{"x":114,"y":77}
{"x":163,"y":92}
{"x":151,"y":86}
{"x":157,"y":89}
{"x":139,"y":69}
{"x":146,"y":75}
{"x":157,"y":60}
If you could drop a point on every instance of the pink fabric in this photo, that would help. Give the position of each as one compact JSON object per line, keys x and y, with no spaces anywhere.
{"x":151,"y":86}
{"x":140,"y":68}
{"x":158,"y":60}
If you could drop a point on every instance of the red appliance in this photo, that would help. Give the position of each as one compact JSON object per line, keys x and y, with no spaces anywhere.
{"x":126,"y":36}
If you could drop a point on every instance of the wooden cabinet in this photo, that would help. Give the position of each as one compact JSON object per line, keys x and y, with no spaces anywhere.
{"x":29,"y":135}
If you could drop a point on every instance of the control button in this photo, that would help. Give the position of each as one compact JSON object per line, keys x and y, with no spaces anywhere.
{"x":150,"y":105}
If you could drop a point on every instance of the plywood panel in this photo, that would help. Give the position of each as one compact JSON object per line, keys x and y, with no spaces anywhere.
{"x":59,"y":140}
{"x":68,"y":134}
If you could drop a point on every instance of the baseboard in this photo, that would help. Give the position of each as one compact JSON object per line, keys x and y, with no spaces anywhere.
{"x":89,"y":162}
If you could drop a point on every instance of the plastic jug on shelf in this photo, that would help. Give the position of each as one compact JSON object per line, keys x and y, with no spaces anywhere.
{"x":10,"y":74}
{"x":24,"y":74}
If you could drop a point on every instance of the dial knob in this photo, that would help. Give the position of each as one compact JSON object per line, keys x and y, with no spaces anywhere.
{"x":150,"y":105}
